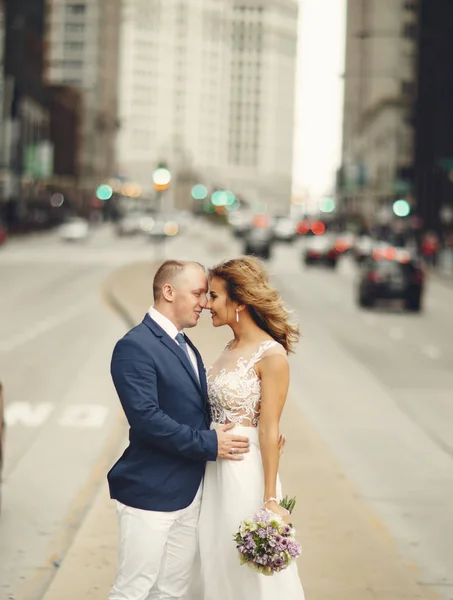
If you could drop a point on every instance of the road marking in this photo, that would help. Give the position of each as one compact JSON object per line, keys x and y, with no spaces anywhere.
{"x":84,"y":415}
{"x":432,"y":351}
{"x":42,"y":326}
{"x":396,"y":333}
{"x":25,"y":413}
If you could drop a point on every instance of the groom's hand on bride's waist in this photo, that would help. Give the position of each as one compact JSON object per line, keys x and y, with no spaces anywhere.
{"x":230,"y":445}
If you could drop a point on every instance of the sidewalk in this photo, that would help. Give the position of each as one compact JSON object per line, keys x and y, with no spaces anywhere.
{"x":348,"y":554}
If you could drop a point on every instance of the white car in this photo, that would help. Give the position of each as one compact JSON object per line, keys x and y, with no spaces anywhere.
{"x":74,"y":229}
{"x":285,"y":229}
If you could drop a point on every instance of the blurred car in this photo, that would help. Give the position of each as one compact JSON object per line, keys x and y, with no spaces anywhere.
{"x":161,"y":227}
{"x":258,"y":241}
{"x":344,"y":241}
{"x":320,"y":250}
{"x":391,"y":274}
{"x":241,"y":223}
{"x":3,"y":234}
{"x":2,"y":437}
{"x":130,"y":223}
{"x":285,"y":229}
{"x":74,"y":229}
{"x":363,"y":248}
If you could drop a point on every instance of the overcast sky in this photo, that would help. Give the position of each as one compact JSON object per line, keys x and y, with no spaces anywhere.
{"x":319,"y":100}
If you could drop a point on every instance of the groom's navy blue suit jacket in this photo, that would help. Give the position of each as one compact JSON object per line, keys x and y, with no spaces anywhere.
{"x":167,"y":410}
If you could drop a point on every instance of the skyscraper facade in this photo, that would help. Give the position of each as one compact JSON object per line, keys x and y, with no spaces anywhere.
{"x":210,"y":90}
{"x":379,"y":96}
{"x":83,"y":51}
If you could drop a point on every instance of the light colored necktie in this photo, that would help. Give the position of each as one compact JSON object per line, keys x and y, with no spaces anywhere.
{"x":182,"y":342}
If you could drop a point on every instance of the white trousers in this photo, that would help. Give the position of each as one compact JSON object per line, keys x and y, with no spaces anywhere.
{"x":156,"y":552}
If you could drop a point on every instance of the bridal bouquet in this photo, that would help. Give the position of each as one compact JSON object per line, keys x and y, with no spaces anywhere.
{"x":265,"y":543}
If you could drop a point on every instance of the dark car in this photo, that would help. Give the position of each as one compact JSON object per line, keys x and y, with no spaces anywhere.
{"x":391,"y":275}
{"x":258,"y":241}
{"x":321,"y":250}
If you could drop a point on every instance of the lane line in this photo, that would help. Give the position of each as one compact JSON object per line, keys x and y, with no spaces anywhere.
{"x":43,"y":326}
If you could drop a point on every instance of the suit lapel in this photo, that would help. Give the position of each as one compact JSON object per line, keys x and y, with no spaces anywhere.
{"x":201,"y":369}
{"x":177,"y":351}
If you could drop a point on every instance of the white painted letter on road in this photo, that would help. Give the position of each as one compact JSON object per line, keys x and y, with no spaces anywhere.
{"x":26,"y":413}
{"x":84,"y":415}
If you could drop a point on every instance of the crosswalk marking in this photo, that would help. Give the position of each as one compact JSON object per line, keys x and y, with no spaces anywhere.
{"x":27,"y":414}
{"x":84,"y":415}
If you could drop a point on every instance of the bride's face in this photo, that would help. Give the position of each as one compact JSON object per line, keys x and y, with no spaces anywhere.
{"x":219,"y":304}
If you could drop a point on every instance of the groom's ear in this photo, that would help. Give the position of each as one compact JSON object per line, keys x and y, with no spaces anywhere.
{"x":168,"y":292}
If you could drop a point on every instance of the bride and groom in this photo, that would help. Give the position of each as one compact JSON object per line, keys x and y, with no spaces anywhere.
{"x":203,"y":445}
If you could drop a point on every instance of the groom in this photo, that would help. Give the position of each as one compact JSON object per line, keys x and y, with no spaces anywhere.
{"x":160,"y":380}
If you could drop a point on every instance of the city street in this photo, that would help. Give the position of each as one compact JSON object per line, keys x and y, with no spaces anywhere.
{"x":63,"y":417}
{"x":377,"y":387}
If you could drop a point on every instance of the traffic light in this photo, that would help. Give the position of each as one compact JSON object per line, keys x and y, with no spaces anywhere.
{"x":199,"y":192}
{"x":104,"y":192}
{"x":161,"y":179}
{"x":401,"y":208}
{"x":327,"y":205}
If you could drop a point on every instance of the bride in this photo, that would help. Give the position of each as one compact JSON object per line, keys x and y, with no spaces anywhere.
{"x":247,"y":386}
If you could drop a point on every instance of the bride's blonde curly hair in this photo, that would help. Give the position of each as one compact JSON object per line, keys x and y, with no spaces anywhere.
{"x":247,"y":282}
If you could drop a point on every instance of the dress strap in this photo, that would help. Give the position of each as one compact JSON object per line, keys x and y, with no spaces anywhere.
{"x":260,"y":351}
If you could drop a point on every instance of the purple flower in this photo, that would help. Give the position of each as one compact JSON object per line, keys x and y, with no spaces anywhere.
{"x":262,"y":516}
{"x":250,"y":544}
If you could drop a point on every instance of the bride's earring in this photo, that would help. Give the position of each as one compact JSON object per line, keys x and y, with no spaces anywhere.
{"x":237,"y":316}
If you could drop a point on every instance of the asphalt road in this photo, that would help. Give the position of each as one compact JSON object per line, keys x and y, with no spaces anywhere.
{"x":63,"y":419}
{"x":376,"y":385}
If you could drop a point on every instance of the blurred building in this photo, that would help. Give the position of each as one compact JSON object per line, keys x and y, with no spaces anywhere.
{"x":3,"y":165}
{"x":82,"y":40}
{"x":27,"y":152}
{"x":66,"y":111}
{"x":209,"y":90}
{"x":434,"y":116}
{"x":378,"y":145}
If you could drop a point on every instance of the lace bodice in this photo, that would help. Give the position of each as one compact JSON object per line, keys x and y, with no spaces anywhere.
{"x":234,"y":388}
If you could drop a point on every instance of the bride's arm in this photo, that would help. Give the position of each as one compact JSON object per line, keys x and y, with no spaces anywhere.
{"x":274,"y":374}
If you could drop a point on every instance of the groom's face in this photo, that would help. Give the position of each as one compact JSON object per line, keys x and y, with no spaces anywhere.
{"x":190,"y":289}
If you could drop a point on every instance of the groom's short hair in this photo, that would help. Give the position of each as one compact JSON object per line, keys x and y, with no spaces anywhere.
{"x":167,"y":273}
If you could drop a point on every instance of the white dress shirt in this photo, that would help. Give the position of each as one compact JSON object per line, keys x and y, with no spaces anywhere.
{"x":172,"y":331}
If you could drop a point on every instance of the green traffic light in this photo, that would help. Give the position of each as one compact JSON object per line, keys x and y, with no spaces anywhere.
{"x":327,"y":205}
{"x":104,"y":192}
{"x":199,"y":192}
{"x":401,"y":208}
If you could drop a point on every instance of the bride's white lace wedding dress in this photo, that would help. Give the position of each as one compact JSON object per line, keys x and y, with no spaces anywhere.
{"x":233,"y":490}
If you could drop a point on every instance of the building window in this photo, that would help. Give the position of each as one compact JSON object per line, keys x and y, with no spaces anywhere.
{"x":76,"y":9}
{"x":73,"y":46}
{"x":410,"y":31}
{"x":73,"y":64}
{"x":75,"y":81}
{"x":74,"y":27}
